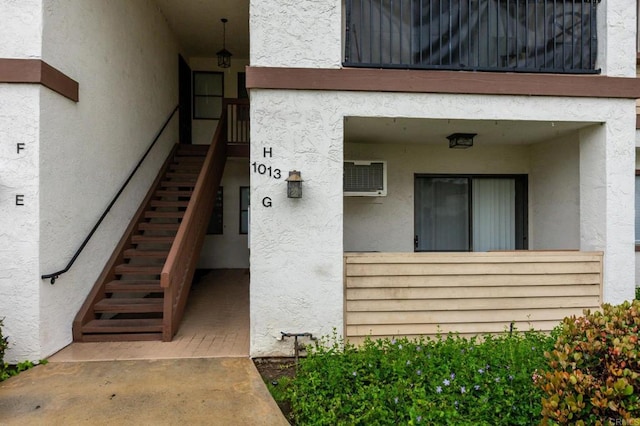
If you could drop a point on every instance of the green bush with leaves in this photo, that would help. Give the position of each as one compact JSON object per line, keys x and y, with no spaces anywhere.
{"x":447,"y":380}
{"x":4,"y":343}
{"x":637,"y":293}
{"x":7,"y":370}
{"x":594,"y":369}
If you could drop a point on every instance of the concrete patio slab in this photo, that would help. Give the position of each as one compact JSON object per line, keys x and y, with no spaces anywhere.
{"x":213,"y":391}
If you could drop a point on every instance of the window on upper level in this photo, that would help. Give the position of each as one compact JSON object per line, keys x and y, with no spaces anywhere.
{"x":488,"y":35}
{"x":208,"y":93}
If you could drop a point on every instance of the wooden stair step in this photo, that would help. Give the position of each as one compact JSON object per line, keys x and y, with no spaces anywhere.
{"x":187,"y":168}
{"x":134,"y":286}
{"x":192,"y":149}
{"x":184,"y":160}
{"x":177,"y":183}
{"x":122,"y":337}
{"x":169,"y":215}
{"x":151,"y":226}
{"x":173,"y":193}
{"x":129,"y":305}
{"x":146,"y":325}
{"x":153,"y":239}
{"x":182,"y":175}
{"x":158,"y":254}
{"x":162,"y":203}
{"x":128,"y":269}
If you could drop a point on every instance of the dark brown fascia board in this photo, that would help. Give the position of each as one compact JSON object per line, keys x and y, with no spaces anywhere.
{"x":453,"y":82}
{"x":36,"y":71}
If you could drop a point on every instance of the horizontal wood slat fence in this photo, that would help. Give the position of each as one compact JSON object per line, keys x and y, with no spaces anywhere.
{"x":421,"y":294}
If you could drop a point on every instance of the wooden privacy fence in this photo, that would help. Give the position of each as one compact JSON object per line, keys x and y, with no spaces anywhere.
{"x":414,"y":294}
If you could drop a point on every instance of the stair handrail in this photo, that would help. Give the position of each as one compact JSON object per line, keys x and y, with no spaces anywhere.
{"x":55,"y":275}
{"x":181,"y":261}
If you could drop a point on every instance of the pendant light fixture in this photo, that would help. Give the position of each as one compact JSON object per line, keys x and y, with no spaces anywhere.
{"x":224,"y":56}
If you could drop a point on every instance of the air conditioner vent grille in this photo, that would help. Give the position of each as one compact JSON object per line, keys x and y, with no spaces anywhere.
{"x":364,"y":178}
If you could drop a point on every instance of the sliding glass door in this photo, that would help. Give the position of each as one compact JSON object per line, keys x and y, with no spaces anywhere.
{"x":470,"y":213}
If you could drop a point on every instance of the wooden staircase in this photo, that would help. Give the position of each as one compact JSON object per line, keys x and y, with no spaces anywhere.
{"x":128,"y":300}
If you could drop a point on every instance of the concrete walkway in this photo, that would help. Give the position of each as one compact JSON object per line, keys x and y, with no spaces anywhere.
{"x":214,"y":391}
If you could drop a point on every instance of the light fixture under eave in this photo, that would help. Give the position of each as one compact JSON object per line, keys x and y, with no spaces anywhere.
{"x":461,"y":140}
{"x":224,"y":56}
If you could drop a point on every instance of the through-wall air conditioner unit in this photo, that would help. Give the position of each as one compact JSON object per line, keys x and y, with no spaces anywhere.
{"x":365,"y":178}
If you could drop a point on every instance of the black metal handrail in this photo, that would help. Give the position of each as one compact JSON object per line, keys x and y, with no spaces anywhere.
{"x":54,"y":276}
{"x":551,"y":36}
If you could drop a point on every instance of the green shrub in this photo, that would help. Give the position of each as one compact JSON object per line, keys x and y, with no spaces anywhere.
{"x":448,"y":380}
{"x":637,"y":293}
{"x":594,"y":369}
{"x":4,"y":344}
{"x":7,"y":370}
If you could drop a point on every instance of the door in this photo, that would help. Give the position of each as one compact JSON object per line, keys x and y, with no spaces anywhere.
{"x":470,"y":213}
{"x":184,"y":98}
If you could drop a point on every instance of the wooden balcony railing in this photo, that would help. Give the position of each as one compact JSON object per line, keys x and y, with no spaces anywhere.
{"x":422,"y":294}
{"x":475,"y":35}
{"x":180,"y":265}
{"x":237,"y":128}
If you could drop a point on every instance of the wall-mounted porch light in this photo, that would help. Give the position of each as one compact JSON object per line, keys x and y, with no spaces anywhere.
{"x":461,"y":140}
{"x":224,"y":56}
{"x":294,"y":184}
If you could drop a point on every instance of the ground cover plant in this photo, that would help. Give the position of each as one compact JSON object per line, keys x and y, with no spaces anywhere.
{"x":446,"y":380}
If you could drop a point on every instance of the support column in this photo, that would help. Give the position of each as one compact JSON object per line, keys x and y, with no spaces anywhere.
{"x":607,"y":201}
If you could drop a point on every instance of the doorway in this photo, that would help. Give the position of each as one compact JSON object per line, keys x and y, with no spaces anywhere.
{"x":470,"y":212}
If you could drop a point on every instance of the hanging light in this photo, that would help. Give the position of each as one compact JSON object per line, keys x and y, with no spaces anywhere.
{"x":224,"y":56}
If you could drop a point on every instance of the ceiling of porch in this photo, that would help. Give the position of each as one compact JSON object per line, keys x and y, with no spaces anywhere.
{"x":197,"y":25}
{"x":419,"y":130}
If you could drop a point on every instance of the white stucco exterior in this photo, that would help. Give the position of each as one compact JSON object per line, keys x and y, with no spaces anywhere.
{"x":19,"y":230}
{"x":124,"y":55}
{"x":21,"y":29}
{"x":297,"y":247}
{"x":77,"y":156}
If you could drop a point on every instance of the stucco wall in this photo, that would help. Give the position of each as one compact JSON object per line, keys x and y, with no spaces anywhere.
{"x":297,"y":34}
{"x":387,"y":223}
{"x":21,"y":29}
{"x":19,"y":233}
{"x":617,"y":37}
{"x":637,"y":168}
{"x":21,"y":34}
{"x":554,"y":194}
{"x":607,"y":197}
{"x":125,"y":59}
{"x":296,"y":245}
{"x":229,"y":250}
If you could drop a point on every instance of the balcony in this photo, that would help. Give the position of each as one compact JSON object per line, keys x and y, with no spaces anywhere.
{"x":540,"y":36}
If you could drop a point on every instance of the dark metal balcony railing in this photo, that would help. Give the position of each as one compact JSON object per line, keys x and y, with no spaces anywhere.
{"x":555,"y":36}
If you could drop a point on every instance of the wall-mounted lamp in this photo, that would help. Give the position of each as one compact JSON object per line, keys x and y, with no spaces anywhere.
{"x":294,"y":184}
{"x":461,"y":140}
{"x":224,"y":56}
